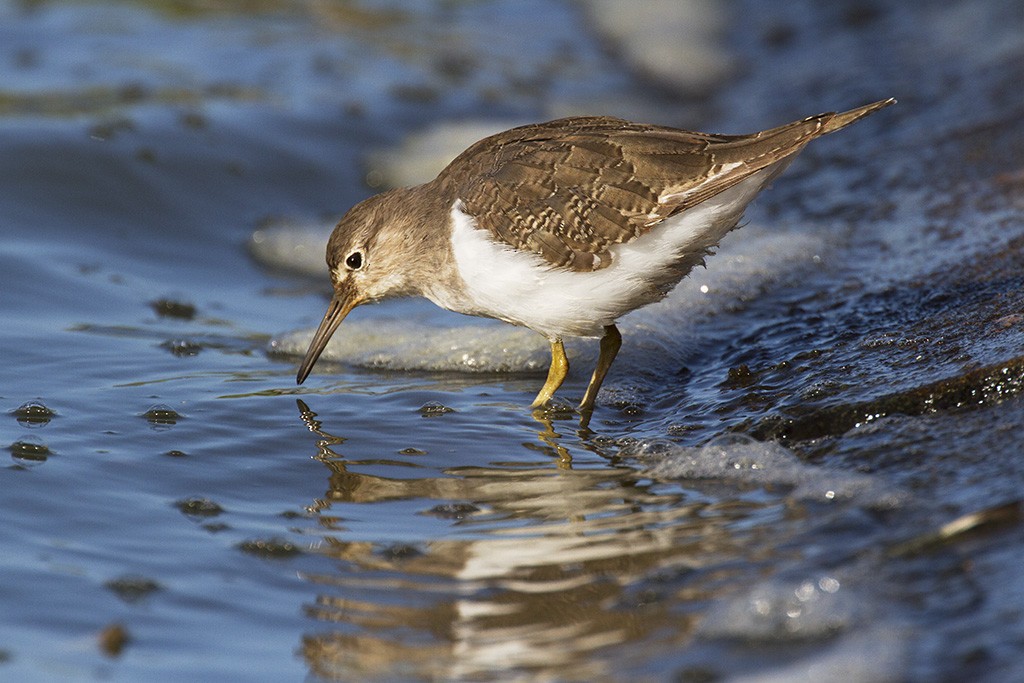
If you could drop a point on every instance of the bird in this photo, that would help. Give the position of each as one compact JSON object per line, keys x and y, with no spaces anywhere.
{"x":561,"y":227}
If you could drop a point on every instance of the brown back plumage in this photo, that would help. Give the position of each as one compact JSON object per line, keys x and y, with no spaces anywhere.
{"x":568,"y":189}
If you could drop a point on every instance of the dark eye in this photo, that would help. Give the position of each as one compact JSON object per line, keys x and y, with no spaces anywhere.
{"x":354,"y":260}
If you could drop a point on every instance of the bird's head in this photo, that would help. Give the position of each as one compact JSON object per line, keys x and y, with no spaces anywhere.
{"x":365,"y":256}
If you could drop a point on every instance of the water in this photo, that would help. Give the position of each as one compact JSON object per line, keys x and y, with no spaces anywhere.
{"x":803,"y":464}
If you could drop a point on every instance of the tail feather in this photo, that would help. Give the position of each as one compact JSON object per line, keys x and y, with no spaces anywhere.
{"x":833,"y":122}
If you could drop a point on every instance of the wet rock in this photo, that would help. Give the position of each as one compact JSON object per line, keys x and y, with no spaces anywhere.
{"x":169,"y":308}
{"x":434,"y":409}
{"x":199,"y":507}
{"x":182,"y":347}
{"x":132,"y":588}
{"x":272,"y":548}
{"x":973,"y":389}
{"x":113,"y":639}
{"x":740,"y":376}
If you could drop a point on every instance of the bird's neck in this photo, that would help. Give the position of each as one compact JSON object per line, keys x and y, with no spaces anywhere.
{"x":420,"y":230}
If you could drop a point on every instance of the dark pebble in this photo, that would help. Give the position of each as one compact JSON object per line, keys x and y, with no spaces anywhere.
{"x":168,"y":308}
{"x":132,"y":588}
{"x":199,"y":507}
{"x":275,"y":548}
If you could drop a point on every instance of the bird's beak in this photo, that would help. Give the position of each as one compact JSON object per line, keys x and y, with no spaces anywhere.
{"x":342,"y":302}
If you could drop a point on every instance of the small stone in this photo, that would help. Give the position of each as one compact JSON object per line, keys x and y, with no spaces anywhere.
{"x":168,"y":308}
{"x":435,"y":409}
{"x":741,"y":376}
{"x":113,"y":639}
{"x":199,"y":507}
{"x":453,"y":510}
{"x":132,"y":588}
{"x":182,"y":347}
{"x":273,"y":548}
{"x":411,"y":451}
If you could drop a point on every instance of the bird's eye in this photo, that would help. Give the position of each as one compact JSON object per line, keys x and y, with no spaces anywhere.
{"x":354,"y":260}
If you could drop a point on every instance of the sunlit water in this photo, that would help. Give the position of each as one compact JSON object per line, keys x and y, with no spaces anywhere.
{"x":804,"y":464}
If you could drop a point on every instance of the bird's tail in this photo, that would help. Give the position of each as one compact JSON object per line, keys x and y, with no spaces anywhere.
{"x":832,"y":121}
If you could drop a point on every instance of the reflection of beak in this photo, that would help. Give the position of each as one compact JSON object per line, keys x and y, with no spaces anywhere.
{"x":340,"y":305}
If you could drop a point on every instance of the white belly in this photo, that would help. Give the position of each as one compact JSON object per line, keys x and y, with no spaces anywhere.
{"x":521,"y":288}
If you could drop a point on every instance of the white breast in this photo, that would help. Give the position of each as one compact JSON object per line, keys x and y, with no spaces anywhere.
{"x":521,"y":288}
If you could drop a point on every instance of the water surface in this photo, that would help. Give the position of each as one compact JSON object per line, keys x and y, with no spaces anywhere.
{"x":804,"y":463}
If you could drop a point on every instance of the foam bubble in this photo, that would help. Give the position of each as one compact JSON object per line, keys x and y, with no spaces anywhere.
{"x":875,"y":656}
{"x":823,"y":608}
{"x":422,"y":155}
{"x":412,"y":345}
{"x":674,"y":41}
{"x":814,"y":607}
{"x":293,"y":245}
{"x":740,"y":458}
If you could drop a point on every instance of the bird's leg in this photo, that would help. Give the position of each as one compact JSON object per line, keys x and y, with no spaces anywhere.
{"x":556,"y":374}
{"x":610,"y":343}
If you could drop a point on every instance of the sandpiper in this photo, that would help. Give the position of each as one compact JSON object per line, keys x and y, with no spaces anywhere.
{"x":561,"y":227}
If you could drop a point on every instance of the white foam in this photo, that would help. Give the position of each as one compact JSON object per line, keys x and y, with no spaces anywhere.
{"x":295,"y":246}
{"x":878,"y":655}
{"x":742,"y":459}
{"x":813,"y":607}
{"x":855,"y":644}
{"x":675,"y":41}
{"x":413,"y":345}
{"x":423,"y":155}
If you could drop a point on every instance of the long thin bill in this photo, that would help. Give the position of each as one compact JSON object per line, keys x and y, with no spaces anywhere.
{"x":336,"y":312}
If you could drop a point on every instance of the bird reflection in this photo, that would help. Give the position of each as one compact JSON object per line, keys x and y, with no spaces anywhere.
{"x":477,"y":571}
{"x":549,"y":437}
{"x":314,"y":425}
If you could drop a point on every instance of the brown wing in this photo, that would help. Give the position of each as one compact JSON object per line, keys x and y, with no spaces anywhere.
{"x":569,"y":189}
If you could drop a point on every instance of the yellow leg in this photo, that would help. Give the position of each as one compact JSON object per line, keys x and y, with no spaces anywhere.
{"x":610,"y":343}
{"x":556,"y":374}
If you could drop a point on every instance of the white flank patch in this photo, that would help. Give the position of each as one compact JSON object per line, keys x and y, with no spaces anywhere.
{"x":521,"y":288}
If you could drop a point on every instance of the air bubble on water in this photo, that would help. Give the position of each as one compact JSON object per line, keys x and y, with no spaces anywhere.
{"x":29,"y":451}
{"x":742,"y":459}
{"x":161,"y":416}
{"x":33,"y":414}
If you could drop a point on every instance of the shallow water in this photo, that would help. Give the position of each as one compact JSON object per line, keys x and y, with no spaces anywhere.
{"x":803,"y":465}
